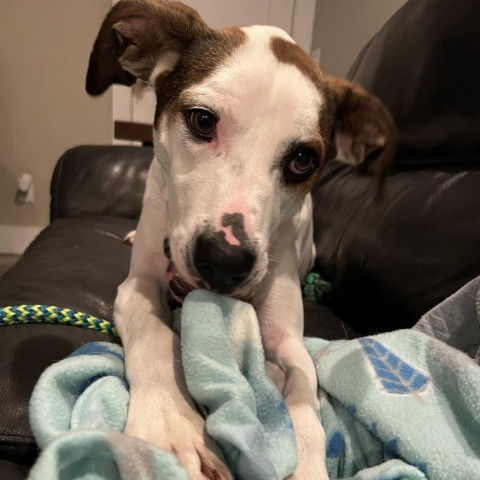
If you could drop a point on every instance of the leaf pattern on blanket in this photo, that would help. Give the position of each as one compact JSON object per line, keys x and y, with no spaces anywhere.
{"x":395,"y":375}
{"x":336,"y":445}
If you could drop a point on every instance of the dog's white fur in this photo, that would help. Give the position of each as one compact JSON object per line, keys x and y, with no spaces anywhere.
{"x":264,"y":105}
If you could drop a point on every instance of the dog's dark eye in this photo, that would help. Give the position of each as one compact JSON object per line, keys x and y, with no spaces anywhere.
{"x":303,"y":160}
{"x":300,"y":163}
{"x":202,"y":123}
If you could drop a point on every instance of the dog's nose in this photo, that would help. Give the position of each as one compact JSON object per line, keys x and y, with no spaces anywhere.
{"x":221,"y":265}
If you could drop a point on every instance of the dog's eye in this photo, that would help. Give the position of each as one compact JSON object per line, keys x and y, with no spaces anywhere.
{"x":202,"y":123}
{"x":303,"y":160}
{"x":299,"y":164}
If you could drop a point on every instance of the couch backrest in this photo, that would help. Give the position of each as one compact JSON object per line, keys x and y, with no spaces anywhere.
{"x":106,"y":180}
{"x":425,"y":65}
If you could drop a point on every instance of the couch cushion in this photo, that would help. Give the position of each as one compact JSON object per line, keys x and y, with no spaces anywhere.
{"x":393,"y":259}
{"x":321,"y":322}
{"x":75,"y":262}
{"x":12,"y":471}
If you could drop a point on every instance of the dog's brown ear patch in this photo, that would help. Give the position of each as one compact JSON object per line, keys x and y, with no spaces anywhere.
{"x":357,"y":127}
{"x":363,"y":127}
{"x":135,"y":36}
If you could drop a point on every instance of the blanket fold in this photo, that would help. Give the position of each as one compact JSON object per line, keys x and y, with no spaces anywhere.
{"x":397,"y":406}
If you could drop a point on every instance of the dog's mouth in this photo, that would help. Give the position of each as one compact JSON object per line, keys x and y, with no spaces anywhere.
{"x":178,"y":287}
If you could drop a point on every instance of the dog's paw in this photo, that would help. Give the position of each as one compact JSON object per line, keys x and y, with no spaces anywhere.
{"x":130,"y":237}
{"x":180,"y":429}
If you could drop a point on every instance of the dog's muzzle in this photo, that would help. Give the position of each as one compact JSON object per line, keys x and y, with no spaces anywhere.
{"x":220,"y":266}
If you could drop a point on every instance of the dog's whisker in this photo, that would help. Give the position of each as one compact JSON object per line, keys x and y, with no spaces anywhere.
{"x":249,"y":243}
{"x":273,"y":260}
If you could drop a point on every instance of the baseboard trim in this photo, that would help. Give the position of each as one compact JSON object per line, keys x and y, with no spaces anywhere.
{"x":15,"y":239}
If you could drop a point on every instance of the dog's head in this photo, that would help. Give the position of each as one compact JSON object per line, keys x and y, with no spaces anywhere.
{"x":244,"y":122}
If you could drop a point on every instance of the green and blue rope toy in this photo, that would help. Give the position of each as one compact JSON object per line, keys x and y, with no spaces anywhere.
{"x":22,"y":314}
{"x":314,"y":287}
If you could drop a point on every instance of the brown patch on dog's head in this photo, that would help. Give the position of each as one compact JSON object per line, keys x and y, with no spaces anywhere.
{"x":289,"y":52}
{"x":203,"y":57}
{"x":356,"y":127}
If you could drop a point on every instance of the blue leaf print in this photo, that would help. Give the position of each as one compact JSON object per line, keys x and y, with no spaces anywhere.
{"x":391,"y":449}
{"x":373,"y":429}
{"x":351,"y":409}
{"x":395,"y":375}
{"x":336,"y":445}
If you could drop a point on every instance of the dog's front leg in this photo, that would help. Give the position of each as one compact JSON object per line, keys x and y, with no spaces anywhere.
{"x":280,"y":311}
{"x":160,"y":410}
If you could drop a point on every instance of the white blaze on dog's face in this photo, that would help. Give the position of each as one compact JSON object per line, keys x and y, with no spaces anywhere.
{"x":240,"y":147}
{"x":244,"y":122}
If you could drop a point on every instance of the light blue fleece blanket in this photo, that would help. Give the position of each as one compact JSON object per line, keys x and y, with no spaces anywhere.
{"x":397,"y":406}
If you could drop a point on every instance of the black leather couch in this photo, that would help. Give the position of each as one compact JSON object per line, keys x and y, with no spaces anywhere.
{"x":393,"y":260}
{"x":389,"y":260}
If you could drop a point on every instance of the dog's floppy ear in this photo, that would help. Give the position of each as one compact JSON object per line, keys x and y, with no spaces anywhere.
{"x":364,"y":131}
{"x":136,"y":37}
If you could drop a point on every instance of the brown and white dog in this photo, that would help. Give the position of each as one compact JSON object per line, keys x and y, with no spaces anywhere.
{"x":244,"y":122}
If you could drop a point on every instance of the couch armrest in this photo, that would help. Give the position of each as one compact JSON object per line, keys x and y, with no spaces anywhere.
{"x":104,"y":180}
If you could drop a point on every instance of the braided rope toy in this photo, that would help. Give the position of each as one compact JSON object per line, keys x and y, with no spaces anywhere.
{"x":315,"y":289}
{"x":22,"y":314}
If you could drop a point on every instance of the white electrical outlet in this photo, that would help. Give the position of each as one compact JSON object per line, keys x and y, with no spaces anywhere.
{"x":25,"y":192}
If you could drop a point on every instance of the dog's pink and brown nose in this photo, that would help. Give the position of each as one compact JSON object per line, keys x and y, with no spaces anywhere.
{"x":220,"y":264}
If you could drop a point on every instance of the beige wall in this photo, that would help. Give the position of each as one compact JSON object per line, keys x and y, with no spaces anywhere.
{"x":44,"y":49}
{"x":343,"y":27}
